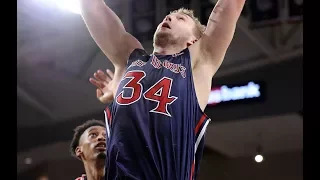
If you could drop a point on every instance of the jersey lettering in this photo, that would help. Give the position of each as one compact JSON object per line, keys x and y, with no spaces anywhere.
{"x":134,"y":84}
{"x":159,"y":92}
{"x":175,"y":68}
{"x":156,"y":63}
{"x":139,"y":63}
{"x":169,"y":65}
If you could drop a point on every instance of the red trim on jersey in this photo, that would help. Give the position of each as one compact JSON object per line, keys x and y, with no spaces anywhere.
{"x":192,"y":170}
{"x":109,"y":116}
{"x":203,"y":117}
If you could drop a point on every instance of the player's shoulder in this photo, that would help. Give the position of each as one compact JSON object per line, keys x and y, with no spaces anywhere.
{"x":140,"y":54}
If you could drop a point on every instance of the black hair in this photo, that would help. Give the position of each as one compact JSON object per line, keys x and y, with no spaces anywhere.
{"x":79,"y":130}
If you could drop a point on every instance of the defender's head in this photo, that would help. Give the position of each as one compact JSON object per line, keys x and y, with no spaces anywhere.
{"x":89,"y":141}
{"x":180,"y":28}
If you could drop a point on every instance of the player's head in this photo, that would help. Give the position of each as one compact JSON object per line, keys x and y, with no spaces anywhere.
{"x":89,"y":141}
{"x":180,"y":27}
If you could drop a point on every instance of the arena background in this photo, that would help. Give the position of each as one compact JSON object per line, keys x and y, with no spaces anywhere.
{"x":56,"y":57}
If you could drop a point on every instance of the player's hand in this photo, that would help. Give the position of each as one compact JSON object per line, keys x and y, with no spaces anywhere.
{"x":81,"y":178}
{"x":103,"y":83}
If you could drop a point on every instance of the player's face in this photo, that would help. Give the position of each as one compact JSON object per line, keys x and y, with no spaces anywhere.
{"x":176,"y":28}
{"x":93,"y":143}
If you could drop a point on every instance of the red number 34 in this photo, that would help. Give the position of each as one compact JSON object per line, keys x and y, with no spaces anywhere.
{"x":159,"y":92}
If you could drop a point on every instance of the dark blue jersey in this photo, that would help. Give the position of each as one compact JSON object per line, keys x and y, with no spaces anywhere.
{"x":155,"y":122}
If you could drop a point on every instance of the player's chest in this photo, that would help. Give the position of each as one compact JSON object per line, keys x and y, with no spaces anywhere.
{"x":152,"y":79}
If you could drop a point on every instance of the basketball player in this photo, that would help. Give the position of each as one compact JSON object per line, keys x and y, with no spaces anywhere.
{"x":156,"y":121}
{"x":89,"y":146}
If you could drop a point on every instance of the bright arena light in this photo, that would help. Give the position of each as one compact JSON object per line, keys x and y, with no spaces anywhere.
{"x":258,"y":158}
{"x":67,"y":5}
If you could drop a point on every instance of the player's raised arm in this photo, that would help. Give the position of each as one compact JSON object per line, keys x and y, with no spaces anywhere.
{"x":108,"y":32}
{"x":219,"y":32}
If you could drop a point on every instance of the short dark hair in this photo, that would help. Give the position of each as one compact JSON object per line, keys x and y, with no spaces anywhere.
{"x":79,"y":130}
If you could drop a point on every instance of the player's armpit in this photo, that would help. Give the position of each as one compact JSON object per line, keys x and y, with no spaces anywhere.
{"x":108,"y":31}
{"x":219,"y":32}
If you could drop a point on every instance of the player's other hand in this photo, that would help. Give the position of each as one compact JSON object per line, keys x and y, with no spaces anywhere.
{"x":103,"y":83}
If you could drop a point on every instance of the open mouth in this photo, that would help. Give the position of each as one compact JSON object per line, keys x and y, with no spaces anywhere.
{"x":165,"y":25}
{"x":101,"y":145}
